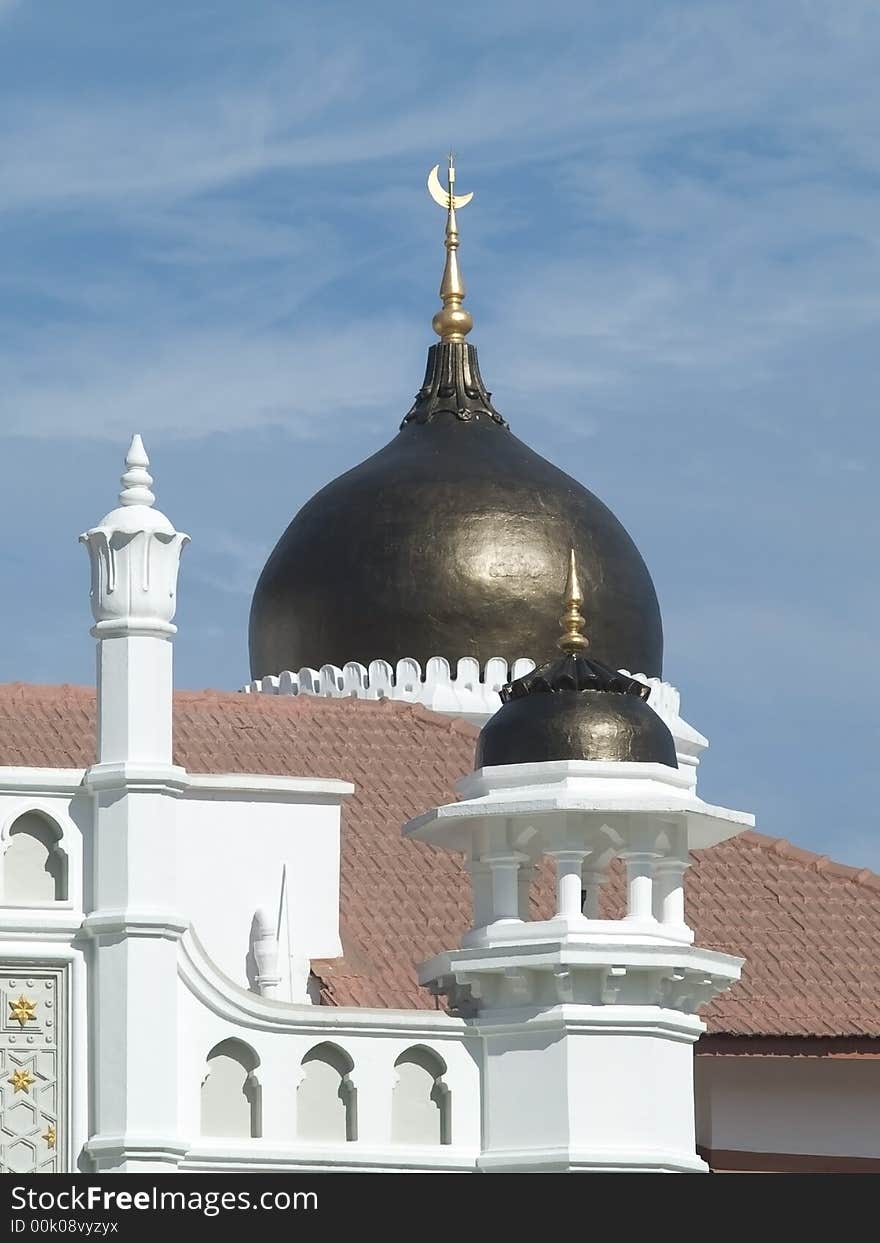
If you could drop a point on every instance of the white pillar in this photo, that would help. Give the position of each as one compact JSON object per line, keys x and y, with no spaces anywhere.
{"x":669,"y":891}
{"x":569,"y":882}
{"x":639,"y":883}
{"x":134,"y":698}
{"x":135,"y":555}
{"x":481,"y":889}
{"x":504,"y":870}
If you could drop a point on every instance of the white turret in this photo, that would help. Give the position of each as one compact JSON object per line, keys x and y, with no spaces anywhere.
{"x":134,"y":919}
{"x":588,"y":1023}
{"x":135,"y":556}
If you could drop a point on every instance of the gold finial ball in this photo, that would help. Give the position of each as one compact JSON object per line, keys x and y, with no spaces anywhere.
{"x":453,"y":323}
{"x":570,"y":642}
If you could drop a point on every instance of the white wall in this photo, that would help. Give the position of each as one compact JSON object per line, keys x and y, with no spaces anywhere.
{"x":230,"y":855}
{"x":808,"y":1105}
{"x":64,"y":810}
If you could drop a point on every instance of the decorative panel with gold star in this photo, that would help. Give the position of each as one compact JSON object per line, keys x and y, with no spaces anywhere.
{"x":33,"y":1070}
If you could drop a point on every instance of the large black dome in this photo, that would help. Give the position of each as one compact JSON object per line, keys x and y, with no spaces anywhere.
{"x":448,"y":542}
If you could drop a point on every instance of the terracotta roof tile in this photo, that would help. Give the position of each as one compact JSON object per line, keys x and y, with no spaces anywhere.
{"x":809,"y":928}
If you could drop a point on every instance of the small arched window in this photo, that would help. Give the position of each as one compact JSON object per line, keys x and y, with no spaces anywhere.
{"x":34,"y":864}
{"x":231,"y":1094}
{"x":421,"y":1103}
{"x":326,"y":1101}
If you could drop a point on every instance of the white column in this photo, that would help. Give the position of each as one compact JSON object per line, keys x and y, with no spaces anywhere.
{"x":639,"y":883}
{"x":504,"y":870}
{"x":569,"y":883}
{"x":669,"y":891}
{"x":135,"y":555}
{"x":481,"y":890}
{"x":134,"y":698}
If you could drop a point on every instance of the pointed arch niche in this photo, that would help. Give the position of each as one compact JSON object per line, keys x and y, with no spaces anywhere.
{"x":34,"y":862}
{"x":231,"y":1093}
{"x":326,"y":1100}
{"x":421,"y":1103}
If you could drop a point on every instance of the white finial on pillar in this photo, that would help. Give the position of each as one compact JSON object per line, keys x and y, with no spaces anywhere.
{"x":135,"y":554}
{"x":264,"y":947}
{"x":137,"y":480}
{"x":135,"y":557}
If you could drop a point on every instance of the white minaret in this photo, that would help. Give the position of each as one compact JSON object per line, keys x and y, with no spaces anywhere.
{"x":135,"y":554}
{"x":132,"y":916}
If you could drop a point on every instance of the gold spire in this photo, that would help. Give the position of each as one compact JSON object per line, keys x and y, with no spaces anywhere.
{"x":453,"y":323}
{"x":571,"y":641}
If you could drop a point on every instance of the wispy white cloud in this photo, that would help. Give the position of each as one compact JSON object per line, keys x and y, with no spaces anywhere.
{"x":681,"y":71}
{"x":706,"y":167}
{"x":196,"y":384}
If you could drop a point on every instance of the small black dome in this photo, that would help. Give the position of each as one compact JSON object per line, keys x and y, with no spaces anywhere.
{"x":448,"y":542}
{"x":574,"y":709}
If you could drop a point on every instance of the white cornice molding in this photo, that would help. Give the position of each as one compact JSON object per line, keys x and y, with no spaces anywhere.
{"x":316,"y":1158}
{"x":571,"y":1159}
{"x":33,"y":925}
{"x":595,"y":789}
{"x":132,"y":922}
{"x":172,"y":779}
{"x":41,"y":780}
{"x":296,"y":789}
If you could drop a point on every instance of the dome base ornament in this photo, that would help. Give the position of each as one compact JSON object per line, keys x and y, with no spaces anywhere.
{"x":572,"y":673}
{"x":453,"y":385}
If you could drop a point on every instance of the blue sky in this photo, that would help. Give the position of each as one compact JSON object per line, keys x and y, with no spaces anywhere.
{"x":214,"y":231}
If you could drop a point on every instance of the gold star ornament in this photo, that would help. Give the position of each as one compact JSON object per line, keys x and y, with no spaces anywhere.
{"x":49,"y":1136}
{"x":23,"y":1011}
{"x":21,"y":1080}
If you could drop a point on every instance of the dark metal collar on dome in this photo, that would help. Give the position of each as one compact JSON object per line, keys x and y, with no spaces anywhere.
{"x":453,"y":385}
{"x":573,"y":671}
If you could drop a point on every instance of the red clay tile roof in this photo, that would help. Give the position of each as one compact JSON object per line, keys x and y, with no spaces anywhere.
{"x":808,"y":928}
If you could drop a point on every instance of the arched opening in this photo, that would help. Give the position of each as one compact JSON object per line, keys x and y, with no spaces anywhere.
{"x":421,"y":1103}
{"x":326,"y":1101}
{"x":231,"y":1093}
{"x":34,"y":864}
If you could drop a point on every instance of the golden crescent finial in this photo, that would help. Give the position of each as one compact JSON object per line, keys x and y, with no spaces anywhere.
{"x":571,"y":641}
{"x":453,"y":322}
{"x":441,"y":196}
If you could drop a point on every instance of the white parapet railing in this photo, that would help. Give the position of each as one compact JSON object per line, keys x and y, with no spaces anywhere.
{"x":471,"y":692}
